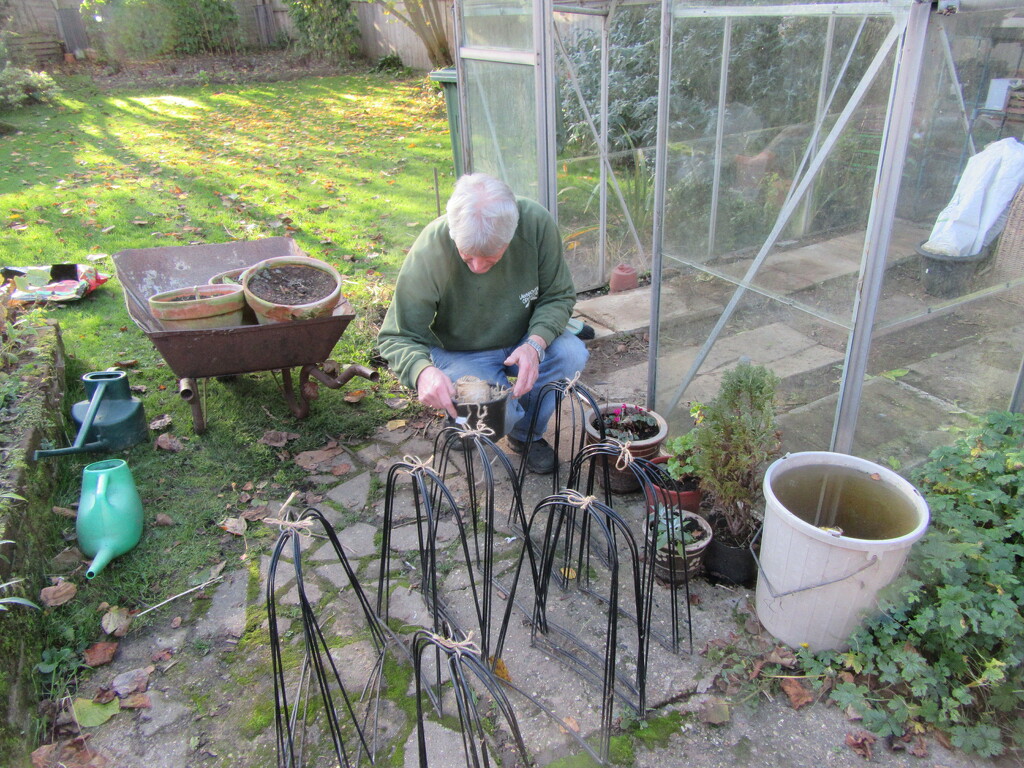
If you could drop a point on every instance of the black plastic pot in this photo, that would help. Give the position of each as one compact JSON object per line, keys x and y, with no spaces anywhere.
{"x":726,"y":564}
{"x":488,"y":416}
{"x":947,"y":277}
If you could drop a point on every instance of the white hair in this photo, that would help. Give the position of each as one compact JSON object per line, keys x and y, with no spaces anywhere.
{"x":482,"y":214}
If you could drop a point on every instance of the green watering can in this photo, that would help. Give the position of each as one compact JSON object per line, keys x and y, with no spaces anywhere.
{"x":109,"y":513}
{"x":111,"y":419}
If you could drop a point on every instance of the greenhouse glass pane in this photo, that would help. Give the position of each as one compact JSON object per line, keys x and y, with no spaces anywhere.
{"x":629,"y":155}
{"x":502,"y":25}
{"x":948,"y":340}
{"x":769,"y":184}
{"x":503,"y":138}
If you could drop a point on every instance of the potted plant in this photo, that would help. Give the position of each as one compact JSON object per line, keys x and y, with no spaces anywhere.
{"x":736,"y":439}
{"x":639,"y":429}
{"x":680,"y":539}
{"x":677,"y":484}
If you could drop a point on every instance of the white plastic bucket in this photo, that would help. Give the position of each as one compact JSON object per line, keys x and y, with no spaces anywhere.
{"x":837,"y":529}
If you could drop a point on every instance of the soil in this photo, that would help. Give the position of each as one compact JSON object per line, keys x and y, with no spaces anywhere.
{"x":292,"y":285}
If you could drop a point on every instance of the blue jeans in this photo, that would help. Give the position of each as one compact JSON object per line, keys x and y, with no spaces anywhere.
{"x":565,"y":357}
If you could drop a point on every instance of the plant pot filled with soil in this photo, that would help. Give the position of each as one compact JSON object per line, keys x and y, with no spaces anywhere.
{"x":640,"y":429}
{"x":291,"y":288}
{"x":681,"y":539}
{"x":199,"y":307}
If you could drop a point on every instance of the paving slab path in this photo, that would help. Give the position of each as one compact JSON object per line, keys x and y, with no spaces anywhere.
{"x":207,"y":671}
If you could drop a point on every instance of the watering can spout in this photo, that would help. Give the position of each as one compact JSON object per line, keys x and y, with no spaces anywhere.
{"x":101,"y":561}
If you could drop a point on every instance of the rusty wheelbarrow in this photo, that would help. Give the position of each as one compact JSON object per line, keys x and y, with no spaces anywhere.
{"x":225,"y":352}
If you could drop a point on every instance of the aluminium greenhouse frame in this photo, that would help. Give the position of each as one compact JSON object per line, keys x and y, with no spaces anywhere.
{"x":906,"y":38}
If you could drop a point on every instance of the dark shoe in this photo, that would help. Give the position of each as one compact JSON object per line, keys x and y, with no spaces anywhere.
{"x":541,"y":459}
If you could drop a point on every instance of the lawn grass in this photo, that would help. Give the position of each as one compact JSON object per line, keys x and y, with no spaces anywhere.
{"x":345,"y":165}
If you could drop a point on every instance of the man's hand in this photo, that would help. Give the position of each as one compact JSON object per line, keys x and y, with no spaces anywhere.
{"x":436,"y":390}
{"x":527,"y":360}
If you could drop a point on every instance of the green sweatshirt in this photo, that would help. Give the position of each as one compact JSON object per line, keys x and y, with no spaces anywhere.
{"x":440,"y":302}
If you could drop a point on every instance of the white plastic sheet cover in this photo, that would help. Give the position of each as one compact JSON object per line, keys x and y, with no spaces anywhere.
{"x":977,"y":212}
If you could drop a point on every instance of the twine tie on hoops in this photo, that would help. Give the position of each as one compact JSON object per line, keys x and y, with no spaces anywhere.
{"x":625,"y":458}
{"x":458,"y":647}
{"x":570,"y":384}
{"x":301,"y":527}
{"x":480,"y":430}
{"x":416,"y":464}
{"x":578,"y":500}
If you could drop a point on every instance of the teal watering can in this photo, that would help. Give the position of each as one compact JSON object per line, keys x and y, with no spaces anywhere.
{"x":109,"y":513}
{"x":111,"y":419}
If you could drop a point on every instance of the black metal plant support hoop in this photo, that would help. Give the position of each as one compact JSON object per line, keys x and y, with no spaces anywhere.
{"x":583,"y":474}
{"x":338,"y":709}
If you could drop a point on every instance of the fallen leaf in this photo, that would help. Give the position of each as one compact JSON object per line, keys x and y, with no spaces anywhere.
{"x":116,"y":621}
{"x":136,"y":701}
{"x":168,"y":442}
{"x":715,"y":711}
{"x":166,"y":654}
{"x":60,"y":593}
{"x":133,"y":681}
{"x":860,"y":742}
{"x":500,"y":670}
{"x":341,"y":469}
{"x":395,"y":424}
{"x":852,"y":714}
{"x":104,"y":696}
{"x":235,"y":525}
{"x":799,"y":695}
{"x":875,"y":476}
{"x":163,"y":519}
{"x":569,"y":573}
{"x":943,"y":738}
{"x":355,"y":395}
{"x":65,"y":512}
{"x":919,"y":747}
{"x":90,"y":714}
{"x":67,"y":559}
{"x":256,"y":513}
{"x":277,"y":439}
{"x":397,"y":403}
{"x":176,"y":622}
{"x":569,"y":724}
{"x":98,"y":654}
{"x":127,"y":363}
{"x":782,"y":656}
{"x":160,"y":422}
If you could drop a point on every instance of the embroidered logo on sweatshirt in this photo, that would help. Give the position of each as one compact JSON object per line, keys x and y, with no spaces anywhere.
{"x":529,"y":296}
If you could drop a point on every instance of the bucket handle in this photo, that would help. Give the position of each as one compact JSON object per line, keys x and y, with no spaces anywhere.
{"x":775,"y":595}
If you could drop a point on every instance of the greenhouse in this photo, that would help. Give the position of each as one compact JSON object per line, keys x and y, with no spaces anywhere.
{"x":779,"y":169}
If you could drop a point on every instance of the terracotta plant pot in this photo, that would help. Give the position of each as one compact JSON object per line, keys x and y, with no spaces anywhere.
{"x":291,"y":288}
{"x":623,"y":480}
{"x":199,"y":307}
{"x":673,"y":568}
{"x":671,"y":497}
{"x":234,"y":277}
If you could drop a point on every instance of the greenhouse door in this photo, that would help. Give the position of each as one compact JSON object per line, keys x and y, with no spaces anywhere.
{"x":505,"y":92}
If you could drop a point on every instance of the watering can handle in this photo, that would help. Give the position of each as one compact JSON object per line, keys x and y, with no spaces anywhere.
{"x":101,"y":486}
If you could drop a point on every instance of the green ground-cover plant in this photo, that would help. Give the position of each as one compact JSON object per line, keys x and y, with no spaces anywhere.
{"x":947,"y":651}
{"x":345,"y":165}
